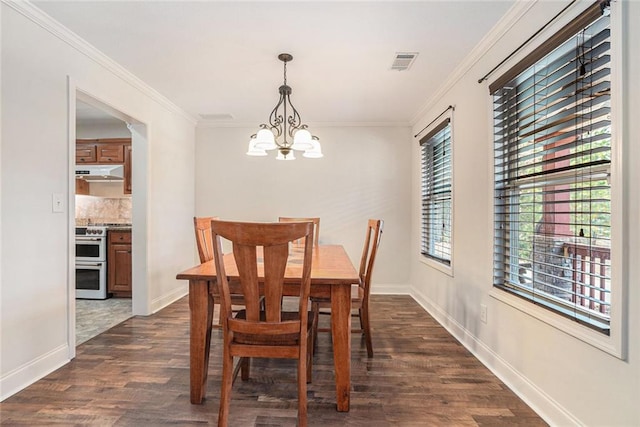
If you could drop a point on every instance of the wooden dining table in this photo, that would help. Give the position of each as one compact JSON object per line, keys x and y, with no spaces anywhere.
{"x":332,"y":274}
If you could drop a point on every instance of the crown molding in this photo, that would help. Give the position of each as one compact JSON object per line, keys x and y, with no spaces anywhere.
{"x":513,"y":15}
{"x":37,"y":15}
{"x":208,"y":124}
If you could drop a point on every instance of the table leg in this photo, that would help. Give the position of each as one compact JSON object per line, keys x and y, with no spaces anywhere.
{"x":341,"y":335}
{"x":201,"y":309}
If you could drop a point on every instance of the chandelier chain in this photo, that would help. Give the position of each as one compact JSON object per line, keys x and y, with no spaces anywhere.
{"x":285,"y":72}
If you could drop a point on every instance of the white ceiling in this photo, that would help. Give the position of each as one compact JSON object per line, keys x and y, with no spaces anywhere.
{"x":220,"y":57}
{"x":88,"y":114}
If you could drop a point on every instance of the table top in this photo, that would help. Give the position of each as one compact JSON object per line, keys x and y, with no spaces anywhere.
{"x":330,"y":265}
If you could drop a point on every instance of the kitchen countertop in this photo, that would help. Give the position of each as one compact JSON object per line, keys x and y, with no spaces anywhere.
{"x":111,"y":226}
{"x":119,"y":227}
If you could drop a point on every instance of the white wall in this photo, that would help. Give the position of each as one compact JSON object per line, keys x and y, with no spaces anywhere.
{"x":36,"y":139}
{"x":566,"y":380}
{"x":96,"y":129}
{"x":362,"y":175}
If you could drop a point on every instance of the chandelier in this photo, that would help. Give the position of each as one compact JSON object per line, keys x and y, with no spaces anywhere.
{"x":285,"y":130}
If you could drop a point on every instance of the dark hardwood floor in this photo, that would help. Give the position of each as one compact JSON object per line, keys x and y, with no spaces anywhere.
{"x":137,"y":373}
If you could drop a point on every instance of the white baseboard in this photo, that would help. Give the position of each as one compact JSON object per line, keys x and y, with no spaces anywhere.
{"x":385,"y":289}
{"x":546,"y":407}
{"x":168,"y":299}
{"x":30,"y":372}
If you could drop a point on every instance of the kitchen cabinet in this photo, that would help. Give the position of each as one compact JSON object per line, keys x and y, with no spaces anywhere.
{"x":103,"y":151}
{"x":107,"y":153}
{"x":119,"y":272}
{"x":82,"y":186}
{"x":127,"y":169}
{"x":85,"y":153}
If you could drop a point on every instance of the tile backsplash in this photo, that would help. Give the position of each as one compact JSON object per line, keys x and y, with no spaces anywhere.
{"x":102,"y":210}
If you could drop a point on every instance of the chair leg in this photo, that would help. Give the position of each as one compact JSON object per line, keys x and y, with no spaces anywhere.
{"x":311,"y":338}
{"x":245,"y":368}
{"x":302,"y":390}
{"x":309,"y":367}
{"x":220,"y":317}
{"x":315,"y":308}
{"x":225,"y":391}
{"x":366,"y":329}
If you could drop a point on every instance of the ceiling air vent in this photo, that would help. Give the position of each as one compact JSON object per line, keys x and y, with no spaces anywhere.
{"x":403,"y":60}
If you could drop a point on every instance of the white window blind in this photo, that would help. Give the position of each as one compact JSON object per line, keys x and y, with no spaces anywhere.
{"x":436,"y":193}
{"x":552,"y":139}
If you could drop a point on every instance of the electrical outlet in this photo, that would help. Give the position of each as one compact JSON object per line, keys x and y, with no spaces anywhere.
{"x":483,"y":313}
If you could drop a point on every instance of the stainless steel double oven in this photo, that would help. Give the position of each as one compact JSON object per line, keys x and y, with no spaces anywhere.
{"x":91,"y":262}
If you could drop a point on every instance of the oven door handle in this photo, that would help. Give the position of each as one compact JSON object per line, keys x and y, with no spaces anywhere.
{"x":88,"y":264}
{"x":89,"y":239}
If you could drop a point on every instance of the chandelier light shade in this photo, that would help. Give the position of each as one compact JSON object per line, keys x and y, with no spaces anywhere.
{"x":285,"y":130}
{"x":253,"y":151}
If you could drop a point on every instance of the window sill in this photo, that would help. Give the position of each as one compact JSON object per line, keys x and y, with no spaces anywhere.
{"x":608,"y":344}
{"x":443,"y":268}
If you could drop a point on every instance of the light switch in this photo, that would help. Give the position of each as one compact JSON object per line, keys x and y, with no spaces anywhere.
{"x":57,"y":202}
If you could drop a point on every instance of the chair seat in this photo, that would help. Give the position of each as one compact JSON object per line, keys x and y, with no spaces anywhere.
{"x":275,"y":340}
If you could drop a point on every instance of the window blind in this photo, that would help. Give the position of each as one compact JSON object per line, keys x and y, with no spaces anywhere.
{"x":436,"y":193}
{"x":552,"y":139}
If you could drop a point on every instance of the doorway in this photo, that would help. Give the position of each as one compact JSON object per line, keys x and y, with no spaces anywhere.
{"x":101,"y":205}
{"x":114,"y":205}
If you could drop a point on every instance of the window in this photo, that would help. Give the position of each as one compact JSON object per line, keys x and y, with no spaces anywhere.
{"x":552,"y":138}
{"x":436,"y":193}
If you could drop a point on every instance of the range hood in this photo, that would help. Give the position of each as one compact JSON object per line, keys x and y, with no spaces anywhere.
{"x":100,"y":173}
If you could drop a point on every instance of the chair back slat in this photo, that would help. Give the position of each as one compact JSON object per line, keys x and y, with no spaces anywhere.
{"x":202,"y":227}
{"x":271,"y":242}
{"x":275,"y":264}
{"x":246,"y":260}
{"x":264,"y":328}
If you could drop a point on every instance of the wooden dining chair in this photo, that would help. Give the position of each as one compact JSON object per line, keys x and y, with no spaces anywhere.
{"x":316,"y":226}
{"x":359,"y":292}
{"x":204,"y":242}
{"x":266,"y":332}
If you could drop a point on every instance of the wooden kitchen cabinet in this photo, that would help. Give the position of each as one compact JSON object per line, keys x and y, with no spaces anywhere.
{"x":82,"y":186}
{"x":103,"y":151}
{"x":119,"y":274}
{"x":127,"y":169}
{"x":108,"y":153}
{"x":85,"y":153}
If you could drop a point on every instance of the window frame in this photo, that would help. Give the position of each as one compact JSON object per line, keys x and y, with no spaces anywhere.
{"x":615,"y":342}
{"x":441,"y":264}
